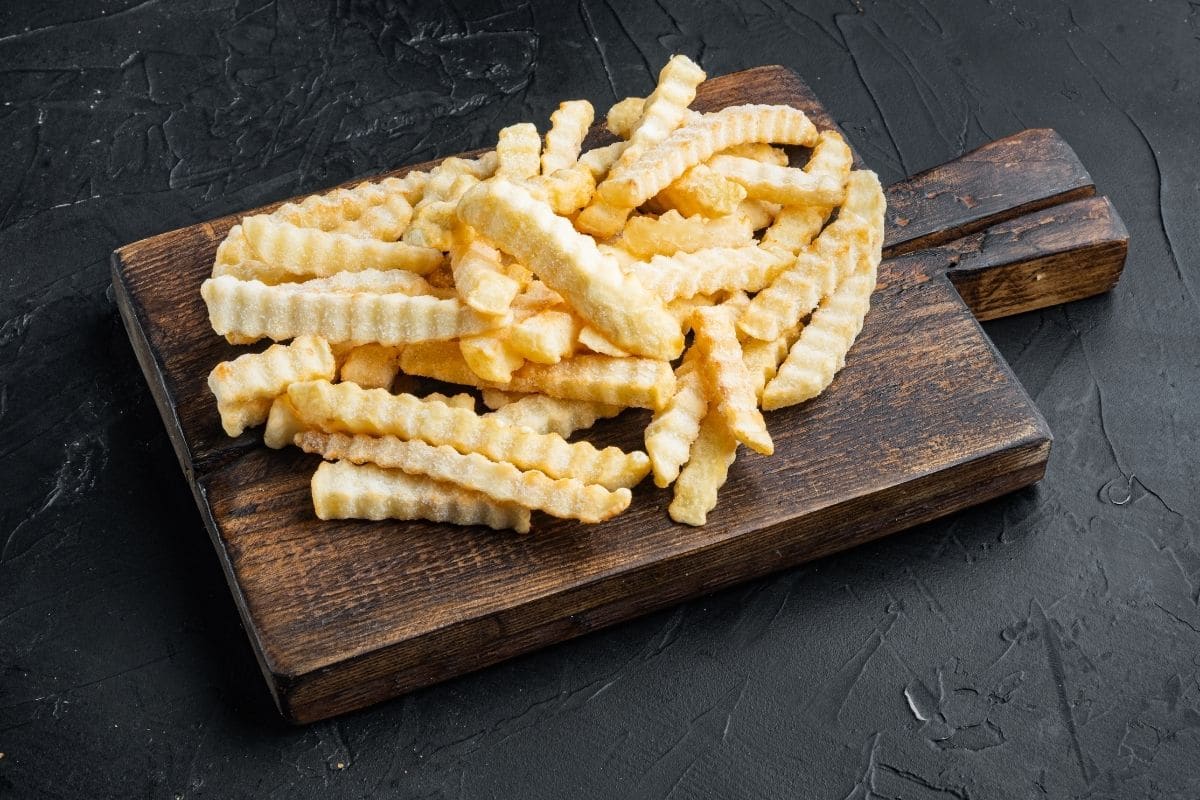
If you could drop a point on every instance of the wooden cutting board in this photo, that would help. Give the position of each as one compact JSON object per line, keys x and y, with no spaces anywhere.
{"x":925,"y":419}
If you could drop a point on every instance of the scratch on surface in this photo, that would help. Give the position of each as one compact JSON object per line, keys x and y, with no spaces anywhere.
{"x":591,"y":29}
{"x":56,"y":28}
{"x":1177,"y":618}
{"x":1054,"y":656}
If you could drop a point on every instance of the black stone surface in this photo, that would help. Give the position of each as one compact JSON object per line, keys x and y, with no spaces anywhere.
{"x":1047,"y":644}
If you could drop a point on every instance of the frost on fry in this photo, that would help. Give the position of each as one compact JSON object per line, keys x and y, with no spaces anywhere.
{"x":705,"y":473}
{"x":566,"y":498}
{"x":345,"y":408}
{"x":568,"y":125}
{"x":670,"y":434}
{"x":672,"y":233}
{"x":518,"y":151}
{"x":546,"y":414}
{"x":570,"y":264}
{"x":317,"y":253}
{"x":343,"y":490}
{"x":727,"y":382}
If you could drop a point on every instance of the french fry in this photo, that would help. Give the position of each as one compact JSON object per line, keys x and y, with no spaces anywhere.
{"x":820,"y":352}
{"x":758,"y":214}
{"x":672,"y":430}
{"x":518,"y":150}
{"x":594,"y":340}
{"x":479,"y":278}
{"x":602,"y":220}
{"x":238,"y":415}
{"x":537,"y":296}
{"x":545,"y":414}
{"x":460,"y":400}
{"x":763,"y":358}
{"x":385,"y":221}
{"x":628,"y":315}
{"x":372,"y":281}
{"x":568,"y":125}
{"x":371,"y":366}
{"x":346,"y":408}
{"x":491,"y":356}
{"x":256,"y":376}
{"x":666,"y":107}
{"x":565,"y":190}
{"x":625,"y":259}
{"x":282,"y":424}
{"x":252,"y":309}
{"x":566,"y":498}
{"x":796,"y":226}
{"x":640,"y":382}
{"x":700,"y":190}
{"x":659,"y":166}
{"x":727,"y":382}
{"x":340,"y":207}
{"x":623,"y":115}
{"x":707,"y":271}
{"x":775,"y":184}
{"x":546,"y":337}
{"x":599,"y":160}
{"x":672,"y":233}
{"x":343,"y":490}
{"x":308,"y":251}
{"x":496,"y":399}
{"x":758,"y":152}
{"x":705,"y":473}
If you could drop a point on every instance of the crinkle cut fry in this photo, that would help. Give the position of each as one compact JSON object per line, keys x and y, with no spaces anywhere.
{"x":252,"y":309}
{"x":568,"y":125}
{"x":343,"y":490}
{"x":479,"y":278}
{"x":546,"y":414}
{"x":670,"y":434}
{"x":683,"y":275}
{"x":672,"y":233}
{"x":371,"y":366}
{"x":566,"y":498}
{"x":705,"y":473}
{"x":795,"y":227}
{"x":727,"y":382}
{"x":661,"y":165}
{"x":569,"y":263}
{"x":519,"y":151}
{"x":255,"y":376}
{"x":346,"y":408}
{"x":639,"y":382}
{"x":309,"y":251}
{"x":785,"y":185}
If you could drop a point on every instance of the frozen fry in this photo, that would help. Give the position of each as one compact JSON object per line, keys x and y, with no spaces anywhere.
{"x":479,"y":278}
{"x":256,"y":376}
{"x":496,"y":399}
{"x":758,"y":214}
{"x":700,"y":190}
{"x":594,"y":340}
{"x":568,"y":125}
{"x":545,"y":414}
{"x":565,"y":191}
{"x":659,"y":166}
{"x":252,"y":309}
{"x":672,"y":233}
{"x":282,"y":424}
{"x":343,"y":490}
{"x":785,"y":185}
{"x":758,"y":152}
{"x":706,"y":471}
{"x":566,"y":498}
{"x":640,"y":382}
{"x":665,"y":108}
{"x":796,"y":226}
{"x":238,"y":415}
{"x":670,"y":434}
{"x":632,"y":318}
{"x":821,"y":349}
{"x":461,"y":400}
{"x":623,"y":115}
{"x":763,"y":358}
{"x":385,"y":221}
{"x":491,"y":356}
{"x":346,"y":408}
{"x":374,"y":281}
{"x":371,"y":366}
{"x":546,"y":337}
{"x":598,"y":161}
{"x":518,"y":150}
{"x":308,"y":251}
{"x":707,"y":271}
{"x":727,"y":382}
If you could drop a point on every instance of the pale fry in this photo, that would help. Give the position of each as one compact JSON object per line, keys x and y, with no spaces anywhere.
{"x":727,"y":382}
{"x":460,"y":400}
{"x":661,"y":165}
{"x":763,"y":358}
{"x":371,"y":366}
{"x":255,"y":376}
{"x":640,"y":382}
{"x":282,"y":424}
{"x":759,"y":152}
{"x":602,"y":220}
{"x":239,"y":415}
{"x":491,"y":356}
{"x":252,"y":309}
{"x":566,"y":498}
{"x":628,"y":315}
{"x":546,"y":337}
{"x":682,"y":307}
{"x":821,"y":350}
{"x":496,"y":399}
{"x":545,"y":414}
{"x":776,"y":184}
{"x":758,"y":214}
{"x":599,"y":160}
{"x":308,"y":251}
{"x":342,"y":206}
{"x":594,"y":340}
{"x":343,"y":490}
{"x":670,"y":434}
{"x":700,"y":190}
{"x":707,"y":271}
{"x":565,"y":190}
{"x":568,"y":125}
{"x":795,"y":292}
{"x":385,"y":221}
{"x":796,"y":226}
{"x":623,"y":115}
{"x":519,"y":151}
{"x":707,"y":469}
{"x":672,"y":233}
{"x":346,"y":408}
{"x":666,"y":107}
{"x":479,"y":278}
{"x":374,"y":281}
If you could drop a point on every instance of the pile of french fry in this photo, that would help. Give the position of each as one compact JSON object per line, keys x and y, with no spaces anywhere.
{"x":563,"y":285}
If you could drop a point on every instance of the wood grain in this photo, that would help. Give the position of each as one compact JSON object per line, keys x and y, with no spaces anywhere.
{"x":344,"y":614}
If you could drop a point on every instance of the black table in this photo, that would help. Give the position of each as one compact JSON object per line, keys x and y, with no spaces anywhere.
{"x":1047,"y":643}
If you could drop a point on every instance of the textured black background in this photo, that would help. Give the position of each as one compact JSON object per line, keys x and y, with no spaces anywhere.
{"x":1044,"y":644}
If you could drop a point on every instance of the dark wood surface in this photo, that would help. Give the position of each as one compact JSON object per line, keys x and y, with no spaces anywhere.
{"x":925,"y":419}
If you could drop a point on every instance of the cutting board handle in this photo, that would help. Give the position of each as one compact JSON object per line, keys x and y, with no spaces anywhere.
{"x":1015,"y":225}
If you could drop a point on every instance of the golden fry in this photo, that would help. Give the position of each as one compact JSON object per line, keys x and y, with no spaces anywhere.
{"x":282,"y":424}
{"x":491,"y":356}
{"x":371,"y":366}
{"x":545,"y":414}
{"x":705,"y":473}
{"x":670,"y":434}
{"x":700,"y":190}
{"x":727,"y":382}
{"x":479,"y":278}
{"x":568,"y":125}
{"x":623,"y":115}
{"x":565,"y":191}
{"x":672,"y":233}
{"x":546,"y":337}
{"x":779,"y":184}
{"x":255,"y":376}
